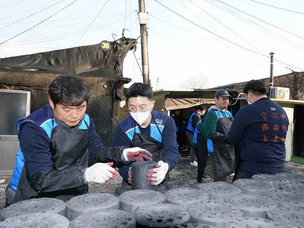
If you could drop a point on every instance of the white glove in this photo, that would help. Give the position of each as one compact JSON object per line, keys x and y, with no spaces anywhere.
{"x":100,"y":173}
{"x":157,"y":175}
{"x":136,"y":154}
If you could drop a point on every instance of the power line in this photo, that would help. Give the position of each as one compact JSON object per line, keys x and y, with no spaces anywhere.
{"x":231,"y":42}
{"x":92,"y":21}
{"x":275,"y":26}
{"x":276,"y":7}
{"x":223,"y":24}
{"x":235,"y":44}
{"x":16,"y":3}
{"x":31,"y":15}
{"x":38,"y":23}
{"x":253,"y":23}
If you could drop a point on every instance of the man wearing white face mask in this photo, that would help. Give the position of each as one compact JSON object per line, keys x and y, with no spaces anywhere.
{"x":261,"y":130}
{"x":150,"y":130}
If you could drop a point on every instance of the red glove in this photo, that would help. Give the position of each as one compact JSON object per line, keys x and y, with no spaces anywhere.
{"x":136,"y":154}
{"x":158,"y":174}
{"x":114,"y":172}
{"x":130,"y":175}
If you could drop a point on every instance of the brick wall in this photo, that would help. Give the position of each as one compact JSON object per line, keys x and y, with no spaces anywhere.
{"x":294,"y":81}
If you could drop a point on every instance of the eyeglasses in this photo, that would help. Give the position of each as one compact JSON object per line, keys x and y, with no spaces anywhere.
{"x":141,"y":108}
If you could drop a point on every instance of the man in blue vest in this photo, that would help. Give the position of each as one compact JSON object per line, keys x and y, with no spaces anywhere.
{"x":261,"y":129}
{"x":60,"y":149}
{"x":199,"y":144}
{"x":194,"y":119}
{"x":147,"y":129}
{"x":217,"y":123}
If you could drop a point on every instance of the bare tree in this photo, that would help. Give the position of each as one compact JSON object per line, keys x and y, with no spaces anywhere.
{"x":198,"y":82}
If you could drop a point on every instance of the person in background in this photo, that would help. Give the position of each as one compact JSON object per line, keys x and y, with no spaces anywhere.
{"x":261,"y":129}
{"x":60,"y":149}
{"x":199,"y":145}
{"x":194,"y":119}
{"x":148,"y":129}
{"x":181,"y":127}
{"x":216,"y":125}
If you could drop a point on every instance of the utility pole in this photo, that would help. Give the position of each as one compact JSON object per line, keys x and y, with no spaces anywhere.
{"x":271,"y":79}
{"x":143,"y":20}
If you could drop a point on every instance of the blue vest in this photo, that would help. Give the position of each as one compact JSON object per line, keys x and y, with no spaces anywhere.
{"x":194,"y":140}
{"x":190,"y":127}
{"x":219,"y":114}
{"x":46,"y":124}
{"x":129,"y":126}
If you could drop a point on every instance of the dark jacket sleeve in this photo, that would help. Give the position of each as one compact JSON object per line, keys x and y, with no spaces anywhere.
{"x":170,"y":147}
{"x":195,"y":120}
{"x":121,"y":139}
{"x":100,"y":153}
{"x":236,"y":132}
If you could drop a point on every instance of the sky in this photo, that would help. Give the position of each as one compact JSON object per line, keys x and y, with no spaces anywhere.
{"x":191,"y":43}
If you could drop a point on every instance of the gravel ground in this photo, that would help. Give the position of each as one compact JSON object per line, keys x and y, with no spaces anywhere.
{"x":184,"y":173}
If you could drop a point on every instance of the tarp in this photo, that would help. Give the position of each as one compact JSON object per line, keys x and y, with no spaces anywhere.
{"x":101,"y":66}
{"x":91,"y":60}
{"x":183,"y":103}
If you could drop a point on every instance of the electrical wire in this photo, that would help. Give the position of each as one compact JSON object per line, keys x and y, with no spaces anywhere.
{"x":92,"y":21}
{"x":38,"y":23}
{"x":207,"y":30}
{"x":270,"y":24}
{"x":31,"y":15}
{"x":256,"y":25}
{"x":238,"y":98}
{"x":224,"y":25}
{"x":16,"y":3}
{"x":137,"y":62}
{"x":276,"y":7}
{"x":235,"y":44}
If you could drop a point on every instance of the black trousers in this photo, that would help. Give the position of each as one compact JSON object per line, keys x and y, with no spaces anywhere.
{"x":201,"y":153}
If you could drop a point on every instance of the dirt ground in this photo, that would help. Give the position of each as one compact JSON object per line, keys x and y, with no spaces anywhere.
{"x":184,"y":173}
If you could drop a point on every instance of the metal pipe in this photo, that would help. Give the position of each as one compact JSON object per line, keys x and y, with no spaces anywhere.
{"x":271,"y":80}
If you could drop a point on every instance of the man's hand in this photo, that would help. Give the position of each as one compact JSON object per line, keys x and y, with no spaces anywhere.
{"x":157,"y":175}
{"x":100,"y":173}
{"x":136,"y":154}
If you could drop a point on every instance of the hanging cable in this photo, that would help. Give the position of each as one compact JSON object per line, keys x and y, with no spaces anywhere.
{"x":224,"y":25}
{"x":256,"y":25}
{"x":137,"y":62}
{"x":270,"y":24}
{"x":125,"y":14}
{"x":38,"y":23}
{"x":231,"y":42}
{"x":239,"y":97}
{"x":92,"y":22}
{"x":235,"y":44}
{"x":30,"y":15}
{"x":280,"y":8}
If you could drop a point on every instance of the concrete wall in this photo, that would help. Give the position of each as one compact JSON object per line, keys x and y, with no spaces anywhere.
{"x":289,"y":137}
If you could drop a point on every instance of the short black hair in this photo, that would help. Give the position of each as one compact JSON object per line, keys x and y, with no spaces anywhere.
{"x":200,"y":107}
{"x":139,"y":89}
{"x":257,"y":87}
{"x":69,"y":90}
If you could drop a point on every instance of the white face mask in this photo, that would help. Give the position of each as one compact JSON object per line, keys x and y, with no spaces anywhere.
{"x":140,"y":117}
